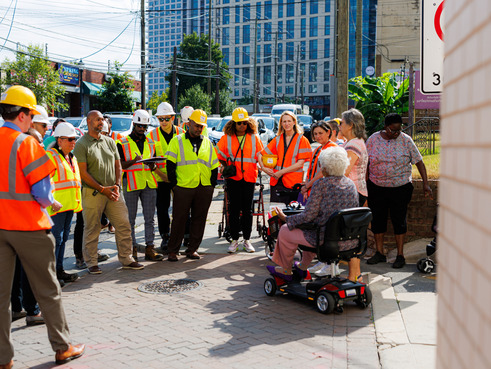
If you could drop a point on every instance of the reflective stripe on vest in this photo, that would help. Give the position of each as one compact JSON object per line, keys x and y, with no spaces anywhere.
{"x":193,"y":169}
{"x":19,"y":210}
{"x":161,"y":147}
{"x":67,"y":183}
{"x":138,"y":175}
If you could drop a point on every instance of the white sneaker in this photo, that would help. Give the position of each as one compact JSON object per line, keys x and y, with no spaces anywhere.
{"x":248,"y":247}
{"x":316,"y":267}
{"x":233,"y":246}
{"x":326,"y":270}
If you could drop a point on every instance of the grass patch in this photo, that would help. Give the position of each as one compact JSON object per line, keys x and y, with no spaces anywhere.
{"x":432,"y":163}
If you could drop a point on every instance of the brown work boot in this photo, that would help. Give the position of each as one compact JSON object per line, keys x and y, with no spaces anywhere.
{"x":135,"y":253}
{"x":73,"y":352}
{"x":151,"y":254}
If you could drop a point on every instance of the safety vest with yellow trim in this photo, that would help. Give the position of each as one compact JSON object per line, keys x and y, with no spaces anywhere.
{"x":245,"y":160}
{"x":161,"y":146}
{"x":299,"y":149}
{"x":23,"y":163}
{"x":192,"y":170}
{"x":138,"y":176}
{"x":67,"y":183}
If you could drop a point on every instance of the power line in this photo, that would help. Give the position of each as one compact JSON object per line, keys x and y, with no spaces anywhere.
{"x":10,"y":28}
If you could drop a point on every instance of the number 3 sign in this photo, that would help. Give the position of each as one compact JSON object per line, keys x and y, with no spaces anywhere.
{"x":432,"y":33}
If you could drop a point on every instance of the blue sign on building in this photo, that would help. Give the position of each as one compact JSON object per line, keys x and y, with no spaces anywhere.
{"x":68,"y":74}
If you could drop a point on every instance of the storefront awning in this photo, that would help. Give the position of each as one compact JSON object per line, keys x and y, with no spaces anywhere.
{"x":92,"y":88}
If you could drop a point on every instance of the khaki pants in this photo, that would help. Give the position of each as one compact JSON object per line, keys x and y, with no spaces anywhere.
{"x":36,"y":251}
{"x":117,"y":213}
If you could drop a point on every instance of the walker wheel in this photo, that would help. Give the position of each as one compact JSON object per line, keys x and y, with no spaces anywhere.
{"x":220,"y":230}
{"x":264,"y":233}
{"x":425,"y":265}
{"x":270,"y":287}
{"x":325,"y":302}
{"x":227,"y":235}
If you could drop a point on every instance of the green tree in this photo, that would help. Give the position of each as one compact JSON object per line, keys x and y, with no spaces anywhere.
{"x":196,"y":98}
{"x":227,"y":106}
{"x":155,"y":100}
{"x":32,"y":69}
{"x":116,"y":95}
{"x":193,"y":66}
{"x":379,"y":96}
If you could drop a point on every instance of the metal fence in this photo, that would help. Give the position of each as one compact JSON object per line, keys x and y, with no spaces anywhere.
{"x":425,"y":134}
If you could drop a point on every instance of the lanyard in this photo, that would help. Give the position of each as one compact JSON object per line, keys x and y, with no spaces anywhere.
{"x":286,"y":147}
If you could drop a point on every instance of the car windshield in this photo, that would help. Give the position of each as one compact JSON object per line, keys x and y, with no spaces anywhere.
{"x":121,"y":124}
{"x":213,"y":122}
{"x":224,"y":121}
{"x":281,"y":110}
{"x":74,"y":121}
{"x":268,"y":122}
{"x":305,"y":119}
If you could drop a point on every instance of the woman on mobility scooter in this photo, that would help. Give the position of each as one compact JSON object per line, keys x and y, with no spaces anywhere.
{"x":332,"y":193}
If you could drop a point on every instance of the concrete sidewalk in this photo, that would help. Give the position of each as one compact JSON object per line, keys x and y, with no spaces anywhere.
{"x":228,"y":321}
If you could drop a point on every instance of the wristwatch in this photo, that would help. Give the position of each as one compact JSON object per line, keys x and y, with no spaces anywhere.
{"x":119,"y":185}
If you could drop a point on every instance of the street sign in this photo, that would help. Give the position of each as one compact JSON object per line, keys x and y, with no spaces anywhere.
{"x":432,"y":34}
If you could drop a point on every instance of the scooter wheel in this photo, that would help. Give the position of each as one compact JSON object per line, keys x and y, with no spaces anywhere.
{"x":325,"y":302}
{"x":364,"y":300}
{"x":425,"y":265}
{"x":270,"y":287}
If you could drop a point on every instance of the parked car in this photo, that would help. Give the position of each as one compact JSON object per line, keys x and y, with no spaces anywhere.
{"x":305,"y":121}
{"x":217,"y":132}
{"x":75,"y":121}
{"x":266,"y":127}
{"x":213,"y":122}
{"x":121,"y":123}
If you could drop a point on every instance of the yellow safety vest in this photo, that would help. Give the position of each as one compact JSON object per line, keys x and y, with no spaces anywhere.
{"x":161,"y":147}
{"x":192,"y":169}
{"x":138,"y":175}
{"x":67,"y":183}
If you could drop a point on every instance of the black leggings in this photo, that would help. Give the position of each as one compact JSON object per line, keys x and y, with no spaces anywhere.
{"x":381,"y":200}
{"x":240,"y":196}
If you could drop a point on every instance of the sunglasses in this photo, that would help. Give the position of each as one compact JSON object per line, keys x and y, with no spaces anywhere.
{"x":393,"y":132}
{"x":240,"y":123}
{"x":164,"y":119}
{"x":140,"y":125}
{"x":70,"y":139}
{"x":44,"y":125}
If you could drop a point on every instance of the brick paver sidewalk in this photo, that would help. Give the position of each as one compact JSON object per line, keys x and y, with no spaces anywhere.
{"x":228,"y":322}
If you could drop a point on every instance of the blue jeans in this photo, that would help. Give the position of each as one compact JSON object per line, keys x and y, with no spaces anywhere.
{"x":61,"y":229}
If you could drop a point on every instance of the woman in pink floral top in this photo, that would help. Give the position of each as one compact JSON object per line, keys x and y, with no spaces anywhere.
{"x":391,"y":154}
{"x":352,"y":127}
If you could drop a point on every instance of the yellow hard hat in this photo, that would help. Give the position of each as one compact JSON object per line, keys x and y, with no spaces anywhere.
{"x":269,"y":160}
{"x":338,"y":120}
{"x":20,"y":96}
{"x":199,"y":117}
{"x":239,"y":115}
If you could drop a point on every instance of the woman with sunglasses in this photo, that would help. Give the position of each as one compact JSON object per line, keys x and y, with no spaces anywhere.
{"x":292,"y":149}
{"x":240,"y":146}
{"x":67,"y":191}
{"x":391,"y":154}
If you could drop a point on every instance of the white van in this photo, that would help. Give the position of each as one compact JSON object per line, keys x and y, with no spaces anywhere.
{"x":294,"y":108}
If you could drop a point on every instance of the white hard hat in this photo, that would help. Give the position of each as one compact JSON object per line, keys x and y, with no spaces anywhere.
{"x":186,"y":113}
{"x":64,"y":129}
{"x":165,"y":109}
{"x":105,"y":127}
{"x":141,"y":117}
{"x":41,"y":118}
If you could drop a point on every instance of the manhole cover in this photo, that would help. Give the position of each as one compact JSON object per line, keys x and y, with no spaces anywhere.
{"x":169,"y":286}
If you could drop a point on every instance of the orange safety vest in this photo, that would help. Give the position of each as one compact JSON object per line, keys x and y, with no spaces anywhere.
{"x":116,"y":136}
{"x":312,"y":171}
{"x":245,"y":160}
{"x":299,"y":149}
{"x":139,"y":175}
{"x":161,"y":145}
{"x":23,"y":163}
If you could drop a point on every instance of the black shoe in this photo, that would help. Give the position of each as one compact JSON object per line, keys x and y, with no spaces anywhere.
{"x":400,"y":262}
{"x":377,"y":258}
{"x":65,"y":277}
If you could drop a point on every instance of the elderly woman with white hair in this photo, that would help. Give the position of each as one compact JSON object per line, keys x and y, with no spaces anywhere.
{"x":329,"y":194}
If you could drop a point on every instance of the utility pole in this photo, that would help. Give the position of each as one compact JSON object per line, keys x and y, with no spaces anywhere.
{"x":342,"y":53}
{"x":296,"y":73}
{"x":411,"y":98}
{"x":209,"y":47}
{"x":359,"y":25}
{"x":302,"y":72}
{"x":174,"y":79}
{"x":217,"y":91}
{"x":276,"y":67}
{"x":142,"y":46}
{"x":255,"y":104}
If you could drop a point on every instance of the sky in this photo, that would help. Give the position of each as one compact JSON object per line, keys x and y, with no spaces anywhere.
{"x":93,"y":31}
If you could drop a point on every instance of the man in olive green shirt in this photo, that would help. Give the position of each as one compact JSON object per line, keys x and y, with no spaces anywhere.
{"x":100,"y":169}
